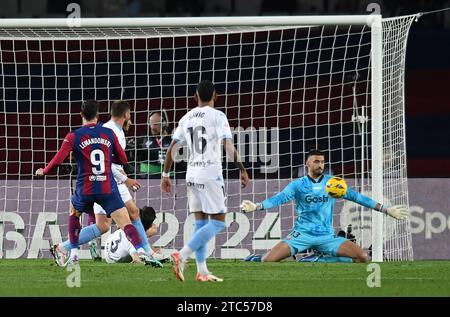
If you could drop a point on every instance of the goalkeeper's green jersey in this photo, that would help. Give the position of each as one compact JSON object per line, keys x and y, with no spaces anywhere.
{"x":313,"y":206}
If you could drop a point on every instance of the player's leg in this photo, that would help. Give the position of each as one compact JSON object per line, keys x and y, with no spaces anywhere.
{"x":213,"y":201}
{"x":122,"y":220}
{"x":114,"y":206}
{"x":179,"y":258}
{"x":294,"y":242}
{"x":133,"y":212}
{"x":201,"y":220}
{"x":102,"y":224}
{"x":340,"y":250}
{"x":279,"y":252}
{"x":74,"y":229}
{"x":352,"y":250}
{"x":78,"y":204}
{"x":208,"y":196}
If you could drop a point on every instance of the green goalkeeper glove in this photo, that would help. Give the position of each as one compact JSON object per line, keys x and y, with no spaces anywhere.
{"x":397,"y":212}
{"x":249,"y":206}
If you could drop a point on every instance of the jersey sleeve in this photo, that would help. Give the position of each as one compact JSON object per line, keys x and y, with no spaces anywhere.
{"x":63,"y":152}
{"x":223,"y":127}
{"x":286,"y":195}
{"x":120,"y":156}
{"x":118,"y":172}
{"x":360,"y":199}
{"x":178,"y":135}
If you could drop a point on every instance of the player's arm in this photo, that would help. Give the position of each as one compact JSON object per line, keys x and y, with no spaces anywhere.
{"x":59,"y":158}
{"x":178,"y":139}
{"x":286,"y":195}
{"x":233,"y":154}
{"x":120,"y":157}
{"x":397,"y":212}
{"x":120,"y":174}
{"x":165,"y":180}
{"x":223,"y":130}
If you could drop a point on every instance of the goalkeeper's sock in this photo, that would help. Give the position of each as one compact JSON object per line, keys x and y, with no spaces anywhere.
{"x":205,"y":233}
{"x":140,"y":229}
{"x":87,"y":234}
{"x":200,"y":253}
{"x":334,"y":259}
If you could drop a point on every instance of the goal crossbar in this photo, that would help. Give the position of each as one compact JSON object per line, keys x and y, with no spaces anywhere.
{"x":192,"y":21}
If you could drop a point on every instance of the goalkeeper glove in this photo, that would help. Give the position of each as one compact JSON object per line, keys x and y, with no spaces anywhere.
{"x":249,"y":206}
{"x":397,"y":212}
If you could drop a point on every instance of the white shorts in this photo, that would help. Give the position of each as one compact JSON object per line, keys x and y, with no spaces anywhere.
{"x":124,"y":194}
{"x":206,"y":195}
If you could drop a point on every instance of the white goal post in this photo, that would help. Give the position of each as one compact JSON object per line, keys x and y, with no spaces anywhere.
{"x":333,"y":82}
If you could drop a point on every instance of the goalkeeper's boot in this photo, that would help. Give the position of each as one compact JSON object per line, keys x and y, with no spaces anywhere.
{"x":253,"y":258}
{"x":311,"y":258}
{"x":59,"y":255}
{"x":178,"y":265}
{"x":207,"y":278}
{"x":95,"y":255}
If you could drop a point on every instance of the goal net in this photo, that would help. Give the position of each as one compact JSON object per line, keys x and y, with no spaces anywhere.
{"x":286,"y":84}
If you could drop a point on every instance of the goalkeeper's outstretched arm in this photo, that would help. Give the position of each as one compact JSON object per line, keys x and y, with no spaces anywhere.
{"x":397,"y":212}
{"x":286,"y":195}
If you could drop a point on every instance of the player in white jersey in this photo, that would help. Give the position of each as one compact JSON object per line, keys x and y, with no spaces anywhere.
{"x":203,"y":130}
{"x":118,"y":248}
{"x":120,"y":122}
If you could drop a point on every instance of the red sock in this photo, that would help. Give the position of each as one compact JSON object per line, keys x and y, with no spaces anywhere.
{"x":133,"y":236}
{"x":74,"y":231}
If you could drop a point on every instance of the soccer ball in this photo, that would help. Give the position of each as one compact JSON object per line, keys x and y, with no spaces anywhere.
{"x":336,"y":187}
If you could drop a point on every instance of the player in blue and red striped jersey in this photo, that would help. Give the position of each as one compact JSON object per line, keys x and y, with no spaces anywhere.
{"x":95,"y":147}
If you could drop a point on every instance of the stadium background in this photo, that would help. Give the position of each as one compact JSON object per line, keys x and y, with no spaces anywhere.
{"x":427,"y":94}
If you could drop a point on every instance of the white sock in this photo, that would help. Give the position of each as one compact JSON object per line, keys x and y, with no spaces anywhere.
{"x":73,"y":253}
{"x":202,"y":269}
{"x":185,"y":253}
{"x":141,"y":250}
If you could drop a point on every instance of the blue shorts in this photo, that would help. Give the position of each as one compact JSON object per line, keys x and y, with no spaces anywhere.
{"x":109,"y":202}
{"x":327,"y":243}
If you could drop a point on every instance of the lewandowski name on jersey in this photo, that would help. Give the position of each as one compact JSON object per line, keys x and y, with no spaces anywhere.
{"x":95,"y":141}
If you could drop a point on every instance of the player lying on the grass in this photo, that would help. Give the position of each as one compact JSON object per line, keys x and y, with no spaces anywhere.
{"x":313,"y":228}
{"x":119,"y":250}
{"x":94,"y":147}
{"x":120,"y":121}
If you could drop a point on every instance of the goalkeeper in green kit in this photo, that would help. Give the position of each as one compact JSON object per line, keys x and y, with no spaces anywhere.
{"x":315,"y":196}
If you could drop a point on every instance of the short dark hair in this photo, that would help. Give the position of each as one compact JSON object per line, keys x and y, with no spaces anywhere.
{"x":147,"y":215}
{"x":315,"y":152}
{"x":205,"y":90}
{"x":119,"y":108}
{"x":89,"y":109}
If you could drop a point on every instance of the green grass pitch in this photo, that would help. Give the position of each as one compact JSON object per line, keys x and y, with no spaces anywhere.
{"x":247,"y":279}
